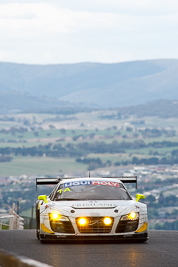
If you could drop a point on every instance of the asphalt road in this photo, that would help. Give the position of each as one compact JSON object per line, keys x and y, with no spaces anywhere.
{"x":161,"y":250}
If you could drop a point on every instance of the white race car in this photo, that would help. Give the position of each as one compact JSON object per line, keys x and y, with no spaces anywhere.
{"x":91,"y":209}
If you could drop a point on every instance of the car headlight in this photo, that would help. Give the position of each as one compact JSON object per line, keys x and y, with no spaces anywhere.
{"x":107,"y":221}
{"x":56,"y":216}
{"x":82,"y":221}
{"x":85,"y":221}
{"x":131,"y":216}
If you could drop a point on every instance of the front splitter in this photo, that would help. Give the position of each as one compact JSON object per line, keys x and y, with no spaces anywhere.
{"x":119,"y":238}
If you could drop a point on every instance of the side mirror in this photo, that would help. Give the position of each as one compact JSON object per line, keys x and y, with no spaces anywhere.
{"x":139,"y":196}
{"x":43,"y":197}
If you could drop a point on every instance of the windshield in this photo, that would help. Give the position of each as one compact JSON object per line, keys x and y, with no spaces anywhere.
{"x":91,"y":190}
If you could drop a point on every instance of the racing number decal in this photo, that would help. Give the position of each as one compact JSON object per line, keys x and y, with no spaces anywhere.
{"x":65,"y":190}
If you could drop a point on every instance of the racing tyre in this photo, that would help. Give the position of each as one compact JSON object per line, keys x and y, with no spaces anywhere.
{"x":37,"y":222}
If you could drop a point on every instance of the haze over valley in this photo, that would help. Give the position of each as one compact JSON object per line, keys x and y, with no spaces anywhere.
{"x":43,"y":87}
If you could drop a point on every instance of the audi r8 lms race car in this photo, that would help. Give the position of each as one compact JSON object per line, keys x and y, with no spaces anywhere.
{"x":91,"y":209}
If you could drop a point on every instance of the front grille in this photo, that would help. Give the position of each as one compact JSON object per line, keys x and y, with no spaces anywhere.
{"x":94,"y":225}
{"x":62,"y":227}
{"x":127,"y":226}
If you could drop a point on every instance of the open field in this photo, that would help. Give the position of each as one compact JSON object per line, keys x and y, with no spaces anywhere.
{"x":40,"y":166}
{"x":68,"y":133}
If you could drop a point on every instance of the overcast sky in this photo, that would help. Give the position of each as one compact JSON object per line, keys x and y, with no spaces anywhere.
{"x":70,"y":31}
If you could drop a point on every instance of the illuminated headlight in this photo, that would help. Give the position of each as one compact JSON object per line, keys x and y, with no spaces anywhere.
{"x":82,"y":221}
{"x":55,"y":216}
{"x":131,"y":216}
{"x":107,"y":221}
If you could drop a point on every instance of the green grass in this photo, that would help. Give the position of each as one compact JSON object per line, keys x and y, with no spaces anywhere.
{"x":112,"y":157}
{"x":5,"y":227}
{"x":39,"y":166}
{"x":27,"y":144}
{"x":6,"y":125}
{"x":146,"y":150}
{"x":46,"y":136}
{"x":91,"y":121}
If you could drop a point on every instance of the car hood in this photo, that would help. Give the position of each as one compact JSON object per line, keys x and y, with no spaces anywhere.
{"x":99,"y":207}
{"x":97,"y":204}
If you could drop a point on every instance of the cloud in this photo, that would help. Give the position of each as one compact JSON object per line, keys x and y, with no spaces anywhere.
{"x":72,"y":31}
{"x":33,"y":17}
{"x":114,"y":6}
{"x":47,"y":17}
{"x":119,"y":6}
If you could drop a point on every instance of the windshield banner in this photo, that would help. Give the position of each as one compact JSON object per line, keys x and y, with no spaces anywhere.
{"x":91,"y":183}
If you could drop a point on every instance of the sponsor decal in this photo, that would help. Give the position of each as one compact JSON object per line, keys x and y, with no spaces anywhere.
{"x":91,"y":183}
{"x":95,"y":205}
{"x":77,"y":183}
{"x":105,"y":183}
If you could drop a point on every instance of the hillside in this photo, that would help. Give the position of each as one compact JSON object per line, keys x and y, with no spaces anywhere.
{"x":159,"y":108}
{"x":104,"y":85}
{"x":15,"y":102}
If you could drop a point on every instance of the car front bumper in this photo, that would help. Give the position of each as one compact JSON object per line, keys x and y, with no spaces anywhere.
{"x":125,"y":237}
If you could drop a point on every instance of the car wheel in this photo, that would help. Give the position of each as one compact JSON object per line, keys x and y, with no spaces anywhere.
{"x":37,"y":222}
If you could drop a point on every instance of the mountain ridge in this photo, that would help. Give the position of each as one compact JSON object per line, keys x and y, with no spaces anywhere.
{"x":105,"y":85}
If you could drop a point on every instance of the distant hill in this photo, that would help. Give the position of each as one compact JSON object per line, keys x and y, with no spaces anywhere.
{"x":16,"y":102}
{"x":19,"y":103}
{"x":103,"y":85}
{"x":159,"y":108}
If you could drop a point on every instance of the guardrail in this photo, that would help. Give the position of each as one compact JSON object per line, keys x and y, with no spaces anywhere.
{"x":13,"y":260}
{"x":15,"y":222}
{"x":6,"y":218}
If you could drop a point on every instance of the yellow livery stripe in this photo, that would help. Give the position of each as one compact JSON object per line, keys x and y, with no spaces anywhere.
{"x":143,"y":228}
{"x":45,"y":229}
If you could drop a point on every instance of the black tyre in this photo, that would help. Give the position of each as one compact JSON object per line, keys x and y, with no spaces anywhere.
{"x":37,"y":221}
